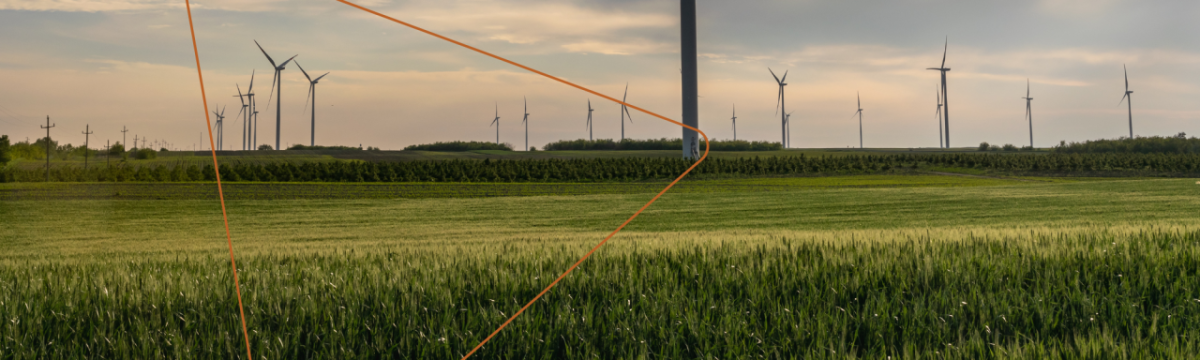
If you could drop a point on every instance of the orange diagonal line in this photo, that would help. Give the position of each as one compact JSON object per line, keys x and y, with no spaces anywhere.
{"x":217,"y":169}
{"x":590,"y":91}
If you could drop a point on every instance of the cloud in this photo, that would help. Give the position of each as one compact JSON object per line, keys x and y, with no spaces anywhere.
{"x":560,"y":25}
{"x":134,"y":5}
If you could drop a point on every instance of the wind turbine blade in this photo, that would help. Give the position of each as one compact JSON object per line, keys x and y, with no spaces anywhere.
{"x":305,"y":72}
{"x":1026,"y":87}
{"x":251,"y":88}
{"x":859,"y":97}
{"x":778,"y":100}
{"x":1123,"y":99}
{"x":307,"y":96}
{"x":288,"y":60}
{"x":1126,"y":77}
{"x":623,"y":97}
{"x":944,"y":51}
{"x":265,"y":53}
{"x":773,"y":74}
{"x":240,"y":96}
{"x":319,"y":77}
{"x":784,"y":79}
{"x":271,"y":93}
{"x":627,"y":114}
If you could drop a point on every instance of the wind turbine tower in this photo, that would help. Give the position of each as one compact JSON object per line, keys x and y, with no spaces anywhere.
{"x":1029,"y":111}
{"x":1128,"y":94}
{"x":624,"y":112}
{"x":276,"y":83}
{"x":525,"y":121}
{"x":859,"y":113}
{"x":496,"y":122}
{"x":945,"y":98}
{"x":780,"y":107}
{"x":312,"y":91}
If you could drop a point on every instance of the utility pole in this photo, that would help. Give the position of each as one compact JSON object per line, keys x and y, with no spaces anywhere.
{"x":47,"y":127}
{"x":687,"y":50}
{"x":123,"y":131}
{"x":107,"y":154}
{"x":86,"y":133}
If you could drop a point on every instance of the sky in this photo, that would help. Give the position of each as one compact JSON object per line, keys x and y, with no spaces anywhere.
{"x":113,"y":64}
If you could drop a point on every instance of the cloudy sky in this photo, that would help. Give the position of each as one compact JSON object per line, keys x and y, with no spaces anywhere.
{"x":115,"y":63}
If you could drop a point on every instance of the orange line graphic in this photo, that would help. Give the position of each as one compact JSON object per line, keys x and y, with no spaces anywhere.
{"x":635,"y":215}
{"x":217,"y":169}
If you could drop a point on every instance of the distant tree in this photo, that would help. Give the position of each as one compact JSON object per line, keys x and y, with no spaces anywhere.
{"x":1009,"y":147}
{"x":533,"y":148}
{"x":321,"y":147}
{"x":162,"y":150}
{"x":145,"y":154}
{"x":116,"y":149}
{"x":265,"y":147}
{"x":460,"y":146}
{"x":5,"y":155}
{"x":983,"y":146}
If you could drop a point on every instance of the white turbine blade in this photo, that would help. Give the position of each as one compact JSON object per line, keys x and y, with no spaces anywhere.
{"x":1123,"y":99}
{"x":251,"y":88}
{"x":944,"y":51}
{"x":240,"y":96}
{"x":319,"y":77}
{"x":1126,"y":77}
{"x":775,"y":76}
{"x":784,"y":79}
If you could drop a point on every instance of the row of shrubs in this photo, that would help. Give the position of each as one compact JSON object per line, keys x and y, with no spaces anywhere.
{"x":625,"y":169}
{"x":660,"y":144}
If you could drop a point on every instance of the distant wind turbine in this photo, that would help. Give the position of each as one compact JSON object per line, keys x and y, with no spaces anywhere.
{"x":589,"y":120}
{"x":277,"y":84}
{"x":1029,"y":111}
{"x":859,"y":113}
{"x":525,"y":121}
{"x":244,"y":113}
{"x":945,"y":98}
{"x":734,"y":119}
{"x":312,"y":92}
{"x":1128,"y":94}
{"x":220,"y":126}
{"x":624,"y":112}
{"x":780,"y":107}
{"x":496,"y":122}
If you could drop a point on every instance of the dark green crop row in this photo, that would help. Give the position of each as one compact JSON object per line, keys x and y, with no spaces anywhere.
{"x":626,"y":169}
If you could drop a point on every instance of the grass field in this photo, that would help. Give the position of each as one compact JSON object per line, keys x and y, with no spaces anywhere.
{"x":854,"y":267}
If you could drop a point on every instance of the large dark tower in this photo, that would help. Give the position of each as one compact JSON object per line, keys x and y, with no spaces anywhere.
{"x":687,"y":50}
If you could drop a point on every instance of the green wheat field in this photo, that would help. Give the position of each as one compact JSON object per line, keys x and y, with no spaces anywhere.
{"x":854,"y":267}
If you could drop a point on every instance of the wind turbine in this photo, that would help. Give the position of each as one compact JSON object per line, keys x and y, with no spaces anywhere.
{"x":787,"y":118}
{"x":496,"y":122}
{"x":220,"y":126}
{"x":734,"y":118}
{"x":624,"y":112}
{"x":1128,"y":94}
{"x":525,"y":121}
{"x":945,"y":98}
{"x":312,"y":91}
{"x":1029,"y":112}
{"x":780,"y":106}
{"x":859,"y":113}
{"x":244,"y":113}
{"x":589,"y":120}
{"x":938,"y":114}
{"x":279,"y":90}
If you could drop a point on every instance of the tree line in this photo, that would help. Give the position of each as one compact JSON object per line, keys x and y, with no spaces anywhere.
{"x":1178,"y":144}
{"x":659,"y":144}
{"x":625,"y":169}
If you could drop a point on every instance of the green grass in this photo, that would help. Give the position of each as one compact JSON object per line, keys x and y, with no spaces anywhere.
{"x":293,"y":190}
{"x":854,"y":267}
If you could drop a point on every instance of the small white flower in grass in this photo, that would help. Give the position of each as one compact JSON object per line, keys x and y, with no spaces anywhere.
{"x":1091,"y":319}
{"x":989,"y":329}
{"x":964,"y":302}
{"x":785,"y":309}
